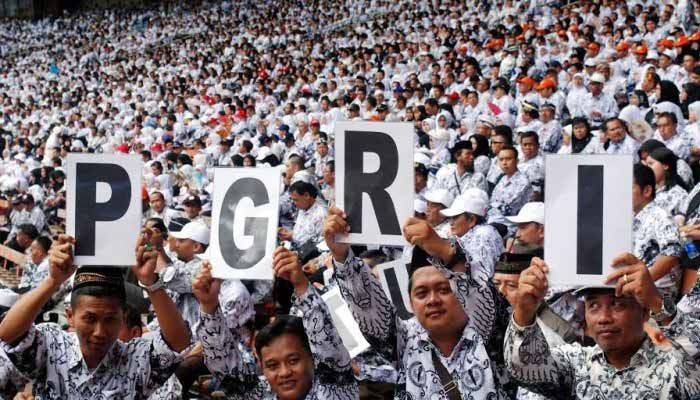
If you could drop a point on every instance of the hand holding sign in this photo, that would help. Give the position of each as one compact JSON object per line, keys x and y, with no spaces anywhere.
{"x":419,"y":233}
{"x":206,"y":289}
{"x":146,"y":259}
{"x":61,"y":265}
{"x":336,"y":224}
{"x":632,"y":278}
{"x":286,"y":265}
{"x":532,"y":287}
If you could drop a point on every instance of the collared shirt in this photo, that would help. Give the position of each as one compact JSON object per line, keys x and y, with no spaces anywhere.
{"x":11,"y":380}
{"x":333,"y":378}
{"x":484,"y":246}
{"x":288,"y":212}
{"x":604,"y":105}
{"x":534,"y":170}
{"x":234,"y":298}
{"x":475,"y":363}
{"x":447,"y":178}
{"x":52,"y":360}
{"x":628,"y":145}
{"x":33,"y":274}
{"x":655,"y":234}
{"x":691,"y":216}
{"x":166,"y":215}
{"x":495,"y":171}
{"x":679,"y":143}
{"x":509,"y":195}
{"x":35,"y":217}
{"x":550,"y":137}
{"x":671,"y":199}
{"x":575,"y":372}
{"x":308,"y":225}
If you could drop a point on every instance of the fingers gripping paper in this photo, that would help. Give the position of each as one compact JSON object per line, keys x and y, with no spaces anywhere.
{"x":374,"y":179}
{"x":588,"y":216}
{"x":103,"y":207}
{"x":244,"y":222}
{"x":347,"y":327}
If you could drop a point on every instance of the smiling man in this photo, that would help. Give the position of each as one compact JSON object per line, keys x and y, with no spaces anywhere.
{"x":301,"y":358}
{"x":624,"y":363}
{"x":90,"y":362}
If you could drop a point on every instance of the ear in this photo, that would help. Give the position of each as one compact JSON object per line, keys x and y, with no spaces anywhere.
{"x":69,"y":316}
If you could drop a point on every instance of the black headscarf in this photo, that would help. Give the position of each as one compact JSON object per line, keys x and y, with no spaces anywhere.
{"x":669,"y":92}
{"x":577,"y":145}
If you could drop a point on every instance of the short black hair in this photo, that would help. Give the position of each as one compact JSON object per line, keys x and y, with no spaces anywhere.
{"x":303,"y":188}
{"x":98,"y":291}
{"x":44,"y":242}
{"x":282,"y":325}
{"x":160,"y":225}
{"x":643,"y":177}
{"x":510,"y":148}
{"x":668,"y":115}
{"x":607,"y":122}
{"x":132,"y":318}
{"x":297,"y":160}
{"x":529,"y":134}
{"x":29,"y":230}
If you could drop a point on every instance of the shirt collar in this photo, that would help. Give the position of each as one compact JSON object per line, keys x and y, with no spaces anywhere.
{"x":75,"y":355}
{"x":639,"y":359}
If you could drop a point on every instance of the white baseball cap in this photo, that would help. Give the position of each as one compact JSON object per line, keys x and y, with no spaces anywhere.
{"x":441,"y":196}
{"x":597,"y":77}
{"x":420,"y":206}
{"x":466,"y":204}
{"x":531,"y":212}
{"x":196,"y":231}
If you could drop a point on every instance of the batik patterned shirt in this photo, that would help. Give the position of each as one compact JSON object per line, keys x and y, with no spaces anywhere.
{"x":333,"y":377}
{"x":447,"y":178}
{"x":655,"y":234}
{"x":309,"y":225}
{"x":671,"y":199}
{"x":51,"y":358}
{"x":534,"y":170}
{"x":571,"y":371}
{"x":509,"y":196}
{"x":476,"y":363}
{"x":484,"y":246}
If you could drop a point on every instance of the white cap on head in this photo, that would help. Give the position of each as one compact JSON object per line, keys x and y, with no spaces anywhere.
{"x":441,"y":196}
{"x":420,"y":206}
{"x":196,"y":231}
{"x":531,"y":212}
{"x":597,"y":77}
{"x":466,"y":204}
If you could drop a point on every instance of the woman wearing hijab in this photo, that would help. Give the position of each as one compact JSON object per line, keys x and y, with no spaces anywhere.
{"x":668,"y":100}
{"x":671,"y":191}
{"x":582,"y":140}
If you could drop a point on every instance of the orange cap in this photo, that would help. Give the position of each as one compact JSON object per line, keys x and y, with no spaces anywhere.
{"x":682,"y":41}
{"x":527,"y":81}
{"x":593,"y":46}
{"x":520,"y":37}
{"x":561,"y":33}
{"x":665,"y":43}
{"x":695,"y":37}
{"x":641,"y":50}
{"x":546,"y":83}
{"x":622,"y":46}
{"x":573,"y":28}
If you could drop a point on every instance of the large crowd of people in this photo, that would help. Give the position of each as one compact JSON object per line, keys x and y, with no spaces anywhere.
{"x":490,"y":87}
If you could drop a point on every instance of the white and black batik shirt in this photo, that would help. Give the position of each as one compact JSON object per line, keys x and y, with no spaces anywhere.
{"x":447,"y":178}
{"x":509,"y":196}
{"x":476,"y":363}
{"x":572,"y":371}
{"x":333,"y":377}
{"x":52,"y":360}
{"x":671,"y":199}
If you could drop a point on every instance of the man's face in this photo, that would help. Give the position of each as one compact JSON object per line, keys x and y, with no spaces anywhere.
{"x":289,"y":170}
{"x":435,"y":305}
{"x":615,"y":131}
{"x":288,"y":367}
{"x":530,"y":233}
{"x":465,"y":158}
{"x":186,"y":249}
{"x":157,"y":202}
{"x":530,"y":147}
{"x":595,"y":88}
{"x":688,"y":63}
{"x":322,"y":149}
{"x":302,"y":201}
{"x":507,"y":284}
{"x":615,"y":323}
{"x":97,"y":322}
{"x":460,"y":225}
{"x":640,"y":197}
{"x":156,"y":234}
{"x":667,"y":128}
{"x":192,"y":210}
{"x":508,"y":161}
{"x":497,"y":143}
{"x":156,"y":171}
{"x":37,"y":253}
{"x":328,"y":176}
{"x":433,"y":215}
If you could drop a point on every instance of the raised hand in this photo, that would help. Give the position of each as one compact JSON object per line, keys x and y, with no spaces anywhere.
{"x":146,"y":259}
{"x":419,"y":233}
{"x":633,"y":279}
{"x":336,"y":224}
{"x":206,"y":289}
{"x":61,"y":265}
{"x":286,"y":265}
{"x":532,"y":287}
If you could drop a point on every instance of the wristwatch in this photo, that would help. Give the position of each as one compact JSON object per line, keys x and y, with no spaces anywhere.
{"x":668,"y":310}
{"x":158,"y":284}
